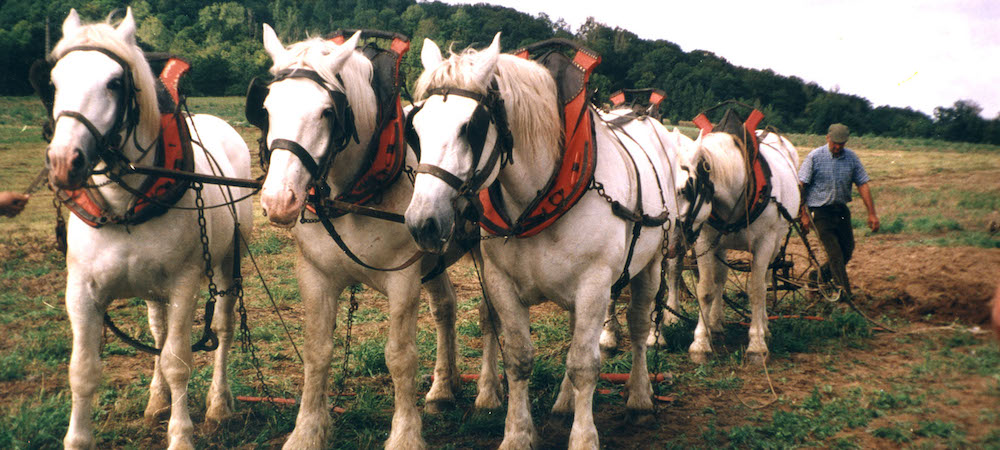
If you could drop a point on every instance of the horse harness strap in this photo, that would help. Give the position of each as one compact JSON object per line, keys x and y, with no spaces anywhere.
{"x":173,"y":150}
{"x":637,"y":217}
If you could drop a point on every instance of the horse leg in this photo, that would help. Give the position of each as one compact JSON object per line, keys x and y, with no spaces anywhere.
{"x":612,"y":332}
{"x":644,"y":287}
{"x":718,"y":305}
{"x":320,"y":297}
{"x":567,"y":393}
{"x":519,"y":430}
{"x":446,"y":382}
{"x":401,"y":358}
{"x":675,"y":267}
{"x":709,"y":288}
{"x":175,"y":359}
{"x":159,"y":393}
{"x":220,"y":398}
{"x":583,"y":362}
{"x":757,"y":349}
{"x":488,"y":386}
{"x":85,"y":315}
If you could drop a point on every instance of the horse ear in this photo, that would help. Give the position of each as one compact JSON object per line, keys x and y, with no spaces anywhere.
{"x":72,"y":23}
{"x":337,"y":59}
{"x":126,"y":29}
{"x":483,"y":70}
{"x":272,"y":45}
{"x":430,"y":55}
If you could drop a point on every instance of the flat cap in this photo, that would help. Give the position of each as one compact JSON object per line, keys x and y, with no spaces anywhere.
{"x":838,"y":133}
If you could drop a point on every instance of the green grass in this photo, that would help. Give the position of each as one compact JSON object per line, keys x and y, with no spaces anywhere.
{"x":901,"y":410}
{"x":37,"y":422}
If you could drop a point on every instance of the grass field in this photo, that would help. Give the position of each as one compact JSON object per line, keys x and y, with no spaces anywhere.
{"x":836,"y":383}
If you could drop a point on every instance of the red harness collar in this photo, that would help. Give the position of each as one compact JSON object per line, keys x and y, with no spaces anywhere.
{"x":569,"y":181}
{"x":173,"y":151}
{"x":759,"y":181}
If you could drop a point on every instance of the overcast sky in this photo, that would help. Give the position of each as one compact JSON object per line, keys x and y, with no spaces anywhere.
{"x":906,"y":53}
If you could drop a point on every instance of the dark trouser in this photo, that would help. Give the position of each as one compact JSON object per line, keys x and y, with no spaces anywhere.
{"x":833,"y":222}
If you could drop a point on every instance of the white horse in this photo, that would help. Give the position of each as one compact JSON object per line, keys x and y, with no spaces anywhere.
{"x":299,"y":110}
{"x":161,"y":259}
{"x":575,"y":261}
{"x":762,"y":237}
{"x":643,"y":125}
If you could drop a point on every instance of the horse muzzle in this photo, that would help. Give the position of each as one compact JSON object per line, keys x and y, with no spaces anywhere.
{"x":68,"y":167}
{"x":282,"y":206}
{"x":431,"y":233}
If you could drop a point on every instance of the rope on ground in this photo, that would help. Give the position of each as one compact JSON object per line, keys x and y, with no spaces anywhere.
{"x":770,"y":385}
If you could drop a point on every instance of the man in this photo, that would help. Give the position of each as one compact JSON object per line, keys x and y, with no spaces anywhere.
{"x":12,"y":203}
{"x":826,"y":175}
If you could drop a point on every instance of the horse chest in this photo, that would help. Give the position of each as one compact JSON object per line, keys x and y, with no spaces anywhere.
{"x":119,"y":264}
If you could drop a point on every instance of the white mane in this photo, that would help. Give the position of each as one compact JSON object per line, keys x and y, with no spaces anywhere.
{"x":527,"y":89}
{"x":724,"y":159}
{"x":103,"y":35}
{"x":356,"y":73}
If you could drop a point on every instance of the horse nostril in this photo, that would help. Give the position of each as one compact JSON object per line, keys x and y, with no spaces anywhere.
{"x":79,"y":160}
{"x":430,"y":228}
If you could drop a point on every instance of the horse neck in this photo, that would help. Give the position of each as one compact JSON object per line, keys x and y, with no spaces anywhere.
{"x":348,"y":164}
{"x":530,"y":171}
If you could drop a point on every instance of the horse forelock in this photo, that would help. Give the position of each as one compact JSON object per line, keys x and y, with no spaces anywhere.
{"x":527,"y":89}
{"x":105,"y":36}
{"x":356,"y":73}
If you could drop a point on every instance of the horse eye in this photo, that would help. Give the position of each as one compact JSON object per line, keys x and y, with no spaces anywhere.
{"x":464,"y":130}
{"x":328,"y":112}
{"x":115,"y":84}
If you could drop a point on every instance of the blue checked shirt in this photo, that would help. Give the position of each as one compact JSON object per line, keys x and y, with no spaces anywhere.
{"x":827,"y":179}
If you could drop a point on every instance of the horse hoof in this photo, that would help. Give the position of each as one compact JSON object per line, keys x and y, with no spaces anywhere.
{"x":641,"y":417}
{"x":439,"y":406}
{"x":486,"y":401}
{"x":699,"y":357}
{"x":757,"y":357}
{"x":211,"y":426}
{"x":155,"y":417}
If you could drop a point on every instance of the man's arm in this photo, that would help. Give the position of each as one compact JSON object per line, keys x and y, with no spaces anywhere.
{"x":866,"y":196}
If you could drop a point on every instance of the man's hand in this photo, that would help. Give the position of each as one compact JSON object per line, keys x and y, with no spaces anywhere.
{"x":873,"y":222}
{"x":805,"y":220}
{"x":12,"y":203}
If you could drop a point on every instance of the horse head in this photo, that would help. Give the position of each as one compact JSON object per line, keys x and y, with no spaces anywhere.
{"x":307,"y":116}
{"x":103,"y":87}
{"x":694,"y":186}
{"x":455,"y":130}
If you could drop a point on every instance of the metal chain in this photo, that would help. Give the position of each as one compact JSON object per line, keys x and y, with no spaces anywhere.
{"x":246,"y":344}
{"x":206,"y":254}
{"x":599,"y":187}
{"x":656,"y":316}
{"x":354,"y":289}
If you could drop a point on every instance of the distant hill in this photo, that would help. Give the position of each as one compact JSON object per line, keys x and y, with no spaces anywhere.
{"x":222,"y":41}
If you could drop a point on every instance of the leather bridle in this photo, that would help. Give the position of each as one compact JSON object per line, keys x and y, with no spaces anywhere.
{"x":489,"y":110}
{"x":342,"y":128}
{"x":697,"y":191}
{"x":108,"y":145}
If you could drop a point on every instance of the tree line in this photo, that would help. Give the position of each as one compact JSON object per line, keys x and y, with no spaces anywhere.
{"x":222,"y":40}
